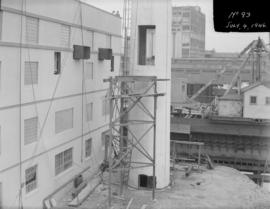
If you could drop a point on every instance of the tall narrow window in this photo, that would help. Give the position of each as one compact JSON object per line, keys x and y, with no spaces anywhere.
{"x":65,"y":35}
{"x":253,"y":100}
{"x":63,"y":120}
{"x":185,"y":52}
{"x":89,"y":70}
{"x":57,"y":63}
{"x":63,"y":161}
{"x":105,"y":107}
{"x":31,"y":178}
{"x":30,"y":130}
{"x":146,"y":51}
{"x":108,"y":41}
{"x":88,"y":147}
{"x":30,"y":73}
{"x":89,"y":111}
{"x":267,"y":100}
{"x":31,"y":35}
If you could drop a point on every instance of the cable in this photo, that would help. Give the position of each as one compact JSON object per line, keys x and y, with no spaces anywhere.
{"x":20,"y":114}
{"x":82,"y":118}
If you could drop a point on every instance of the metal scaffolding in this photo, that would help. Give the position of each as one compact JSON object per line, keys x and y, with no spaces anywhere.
{"x":122,"y":140}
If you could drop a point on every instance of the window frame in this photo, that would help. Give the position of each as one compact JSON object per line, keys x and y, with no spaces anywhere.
{"x":62,"y":164}
{"x":267,"y":101}
{"x":250,"y":100}
{"x":57,"y":63}
{"x":61,"y":129}
{"x":33,"y":184}
{"x":26,"y":140}
{"x":35,"y":80}
{"x":143,"y":45}
{"x":88,"y":147}
{"x":89,"y":112}
{"x":27,"y":40}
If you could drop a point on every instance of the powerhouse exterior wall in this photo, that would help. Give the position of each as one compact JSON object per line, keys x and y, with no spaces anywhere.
{"x":52,"y":93}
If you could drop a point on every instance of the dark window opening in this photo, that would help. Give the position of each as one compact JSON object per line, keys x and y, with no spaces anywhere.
{"x":112,"y":63}
{"x":146,"y":50}
{"x":105,"y":54}
{"x":57,"y":63}
{"x":81,"y":52}
{"x":253,"y":100}
{"x":146,"y":181}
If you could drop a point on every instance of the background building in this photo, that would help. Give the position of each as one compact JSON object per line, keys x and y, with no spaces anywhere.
{"x":188,"y":32}
{"x":256,"y":100}
{"x":52,"y":106}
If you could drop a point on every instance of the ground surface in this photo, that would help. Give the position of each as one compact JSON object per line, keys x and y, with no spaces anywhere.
{"x":221,"y":188}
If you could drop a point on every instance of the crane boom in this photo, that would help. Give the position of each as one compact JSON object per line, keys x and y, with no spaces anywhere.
{"x":237,"y":75}
{"x":209,"y":83}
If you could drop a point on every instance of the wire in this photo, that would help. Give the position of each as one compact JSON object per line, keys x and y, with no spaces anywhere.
{"x":20,"y":114}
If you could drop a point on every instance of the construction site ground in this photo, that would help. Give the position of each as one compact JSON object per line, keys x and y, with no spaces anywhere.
{"x":221,"y":188}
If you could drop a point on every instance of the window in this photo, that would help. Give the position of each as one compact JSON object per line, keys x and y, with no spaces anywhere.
{"x":57,"y":63}
{"x":31,"y":178}
{"x":253,"y":100}
{"x":267,"y":100}
{"x":185,"y":52}
{"x":88,"y":147}
{"x":63,"y":120}
{"x":146,"y":52}
{"x":89,"y":70}
{"x":105,"y":107}
{"x":30,"y":73}
{"x":89,"y":111}
{"x":31,"y":30}
{"x":30,"y":130}
{"x":186,"y":27}
{"x":65,"y":35}
{"x":105,"y":139}
{"x":63,"y":161}
{"x":183,"y":88}
{"x":186,"y":14}
{"x":108,"y":41}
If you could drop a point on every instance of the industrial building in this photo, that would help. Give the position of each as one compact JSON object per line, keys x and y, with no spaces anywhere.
{"x":188,"y":32}
{"x":92,"y":109}
{"x":53,"y":109}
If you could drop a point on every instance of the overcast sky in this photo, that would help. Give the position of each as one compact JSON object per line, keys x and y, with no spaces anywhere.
{"x":221,"y":42}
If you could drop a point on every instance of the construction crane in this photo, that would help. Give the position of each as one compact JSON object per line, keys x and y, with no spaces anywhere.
{"x":255,"y":49}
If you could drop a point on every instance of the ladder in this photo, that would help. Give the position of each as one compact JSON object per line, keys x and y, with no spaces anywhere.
{"x":126,"y":31}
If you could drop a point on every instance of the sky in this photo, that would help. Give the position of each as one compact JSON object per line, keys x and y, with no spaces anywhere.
{"x":221,"y":42}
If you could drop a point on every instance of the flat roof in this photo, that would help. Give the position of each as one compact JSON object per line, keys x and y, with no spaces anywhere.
{"x":226,"y":127}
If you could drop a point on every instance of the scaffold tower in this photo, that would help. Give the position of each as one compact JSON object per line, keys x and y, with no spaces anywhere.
{"x":123,"y":97}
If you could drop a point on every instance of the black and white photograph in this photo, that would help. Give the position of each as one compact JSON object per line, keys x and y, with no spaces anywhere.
{"x":134,"y":104}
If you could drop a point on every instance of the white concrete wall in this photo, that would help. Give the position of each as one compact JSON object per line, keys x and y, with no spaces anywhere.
{"x":230,"y":108}
{"x":260,"y":110}
{"x":37,"y":100}
{"x":158,"y":13}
